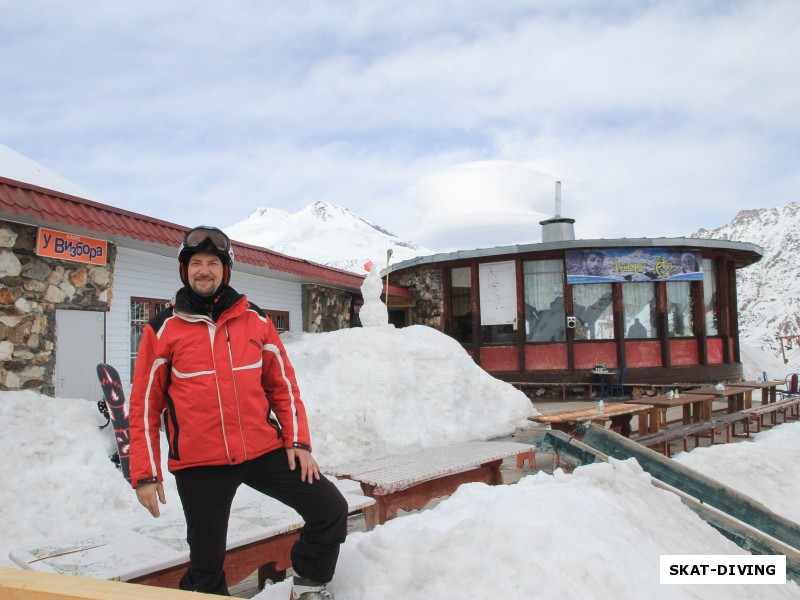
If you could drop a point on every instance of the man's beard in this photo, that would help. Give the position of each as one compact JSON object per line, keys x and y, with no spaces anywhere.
{"x":203,"y":293}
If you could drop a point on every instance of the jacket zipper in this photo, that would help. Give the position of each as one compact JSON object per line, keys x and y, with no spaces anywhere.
{"x":213,"y":333}
{"x":235,"y":391}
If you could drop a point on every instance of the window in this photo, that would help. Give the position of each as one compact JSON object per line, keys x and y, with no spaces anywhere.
{"x":679,"y":309}
{"x":545,"y":320}
{"x":710,"y":297}
{"x":497,"y":287}
{"x":142,"y":310}
{"x":639,"y":310}
{"x":280,"y":319}
{"x":461,"y":304}
{"x":591,"y":304}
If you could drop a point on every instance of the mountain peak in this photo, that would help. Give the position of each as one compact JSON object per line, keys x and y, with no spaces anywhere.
{"x":325,"y":211}
{"x":324,"y":233}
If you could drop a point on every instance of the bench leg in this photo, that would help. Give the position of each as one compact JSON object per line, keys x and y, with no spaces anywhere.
{"x":622,"y":423}
{"x":530,"y":457}
{"x":269,"y":572}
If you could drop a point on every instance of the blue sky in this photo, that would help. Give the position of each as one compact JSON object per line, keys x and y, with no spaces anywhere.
{"x":445,"y":122}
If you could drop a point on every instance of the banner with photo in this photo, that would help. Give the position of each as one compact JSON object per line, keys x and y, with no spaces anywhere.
{"x":610,"y":265}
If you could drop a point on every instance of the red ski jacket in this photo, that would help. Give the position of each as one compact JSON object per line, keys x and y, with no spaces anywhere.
{"x":214,"y":383}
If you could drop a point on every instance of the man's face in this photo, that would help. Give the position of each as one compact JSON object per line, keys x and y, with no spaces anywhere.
{"x":594,"y":264}
{"x":689,"y":264}
{"x":205,"y":273}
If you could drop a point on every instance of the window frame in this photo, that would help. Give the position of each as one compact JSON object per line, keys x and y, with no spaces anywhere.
{"x":136,"y":326}
{"x":280,"y":319}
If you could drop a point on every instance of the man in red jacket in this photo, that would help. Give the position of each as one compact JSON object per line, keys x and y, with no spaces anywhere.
{"x":214,"y":368}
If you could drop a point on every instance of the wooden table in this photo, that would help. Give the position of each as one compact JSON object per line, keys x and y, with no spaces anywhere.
{"x":739,"y":397}
{"x":769,"y":389}
{"x":620,"y":415}
{"x":409,"y":481}
{"x":696,"y":407}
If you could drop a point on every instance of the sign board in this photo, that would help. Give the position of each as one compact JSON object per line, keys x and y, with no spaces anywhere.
{"x":498,"y":293}
{"x":395,"y":302}
{"x":610,"y":265}
{"x":68,"y":246}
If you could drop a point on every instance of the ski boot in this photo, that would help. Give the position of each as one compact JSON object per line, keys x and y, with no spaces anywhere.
{"x":308,"y":589}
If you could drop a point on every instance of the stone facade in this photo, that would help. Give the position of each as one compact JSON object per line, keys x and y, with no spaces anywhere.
{"x":426,"y":283}
{"x":327,"y":309}
{"x":31,"y":289}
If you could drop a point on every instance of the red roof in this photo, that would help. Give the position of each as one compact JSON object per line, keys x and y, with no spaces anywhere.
{"x":46,"y":207}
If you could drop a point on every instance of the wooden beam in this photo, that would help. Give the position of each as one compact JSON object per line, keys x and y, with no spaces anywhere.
{"x":575,"y":453}
{"x":20,"y":584}
{"x":705,"y":489}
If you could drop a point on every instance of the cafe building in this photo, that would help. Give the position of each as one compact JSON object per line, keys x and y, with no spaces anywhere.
{"x":662,"y":309}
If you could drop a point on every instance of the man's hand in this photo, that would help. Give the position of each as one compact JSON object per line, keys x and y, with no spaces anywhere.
{"x":147,"y":493}
{"x":309,"y":470}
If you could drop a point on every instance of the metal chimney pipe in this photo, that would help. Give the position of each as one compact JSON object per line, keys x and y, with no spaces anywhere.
{"x":558,"y":198}
{"x":558,"y":229}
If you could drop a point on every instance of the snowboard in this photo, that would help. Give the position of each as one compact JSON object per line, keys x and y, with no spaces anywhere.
{"x":114,"y":400}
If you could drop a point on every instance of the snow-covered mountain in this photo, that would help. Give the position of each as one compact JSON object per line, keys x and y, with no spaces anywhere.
{"x":768,"y":296}
{"x":326,"y":234}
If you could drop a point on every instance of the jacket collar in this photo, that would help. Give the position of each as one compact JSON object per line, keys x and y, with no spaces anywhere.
{"x":189,"y":303}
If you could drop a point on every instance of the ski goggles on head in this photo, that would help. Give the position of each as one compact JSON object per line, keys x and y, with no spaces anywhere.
{"x":206,"y":238}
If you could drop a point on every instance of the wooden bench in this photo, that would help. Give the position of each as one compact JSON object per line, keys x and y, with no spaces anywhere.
{"x":261,"y":533}
{"x":785,"y":407}
{"x":410,"y":481}
{"x":726,"y":422}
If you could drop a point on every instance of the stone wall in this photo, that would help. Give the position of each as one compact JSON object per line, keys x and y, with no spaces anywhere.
{"x":326,"y":309}
{"x":426,"y":283}
{"x":31,"y":289}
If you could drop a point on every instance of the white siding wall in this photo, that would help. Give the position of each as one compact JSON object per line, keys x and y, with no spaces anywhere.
{"x":142,"y":275}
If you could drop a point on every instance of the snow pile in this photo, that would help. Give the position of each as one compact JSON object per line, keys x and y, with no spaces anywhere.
{"x":766,"y":469}
{"x":597,"y":533}
{"x":372,"y":392}
{"x":60,"y":480}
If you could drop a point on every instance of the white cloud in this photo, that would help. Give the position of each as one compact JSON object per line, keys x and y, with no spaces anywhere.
{"x":660,"y":117}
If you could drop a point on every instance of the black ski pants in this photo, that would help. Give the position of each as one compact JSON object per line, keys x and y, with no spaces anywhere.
{"x":207,"y":494}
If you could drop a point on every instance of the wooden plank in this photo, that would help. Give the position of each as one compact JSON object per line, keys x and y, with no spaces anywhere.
{"x":705,"y":489}
{"x":745,"y":536}
{"x":17,"y":584}
{"x":401,"y":471}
